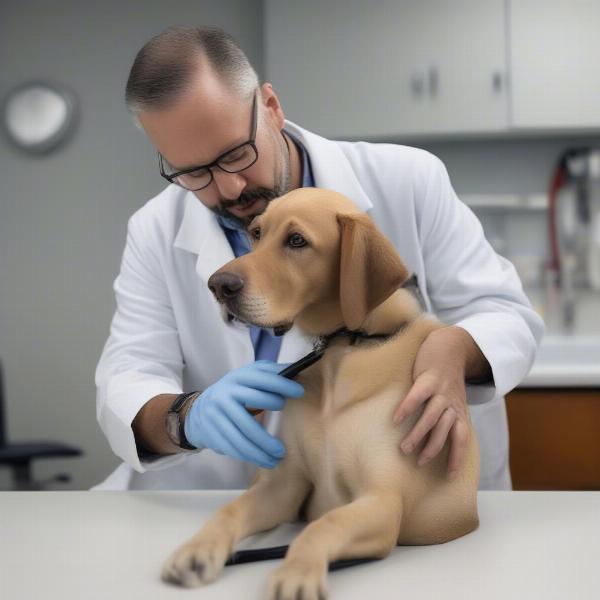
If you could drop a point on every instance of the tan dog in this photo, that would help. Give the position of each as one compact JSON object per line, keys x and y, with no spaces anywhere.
{"x":319,"y":262}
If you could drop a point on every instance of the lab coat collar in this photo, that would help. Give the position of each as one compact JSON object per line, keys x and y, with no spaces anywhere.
{"x":201,"y":234}
{"x":331,"y":169}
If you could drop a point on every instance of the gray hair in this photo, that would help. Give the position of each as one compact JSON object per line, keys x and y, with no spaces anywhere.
{"x":167,"y":63}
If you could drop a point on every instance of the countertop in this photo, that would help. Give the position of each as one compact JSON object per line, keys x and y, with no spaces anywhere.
{"x":99,"y":545}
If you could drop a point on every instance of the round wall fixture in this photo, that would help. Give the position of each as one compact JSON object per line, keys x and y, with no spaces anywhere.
{"x":39,"y":116}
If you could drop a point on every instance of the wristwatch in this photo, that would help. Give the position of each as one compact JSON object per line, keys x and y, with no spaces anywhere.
{"x":175,"y":420}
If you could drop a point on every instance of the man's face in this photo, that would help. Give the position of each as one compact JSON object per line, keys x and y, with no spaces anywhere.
{"x":207,"y":121}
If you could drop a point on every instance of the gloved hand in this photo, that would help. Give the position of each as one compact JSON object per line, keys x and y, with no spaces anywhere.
{"x":218,"y":418}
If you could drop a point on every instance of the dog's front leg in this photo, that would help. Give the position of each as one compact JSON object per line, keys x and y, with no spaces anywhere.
{"x":367,"y":527}
{"x":274,"y":498}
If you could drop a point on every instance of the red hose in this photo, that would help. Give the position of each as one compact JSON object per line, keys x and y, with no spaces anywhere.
{"x":558,"y":180}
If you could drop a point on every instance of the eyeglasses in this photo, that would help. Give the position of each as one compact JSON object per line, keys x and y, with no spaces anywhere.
{"x":233,"y":161}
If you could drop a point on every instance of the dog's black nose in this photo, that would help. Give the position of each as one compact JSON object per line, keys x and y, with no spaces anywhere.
{"x":225,"y":286}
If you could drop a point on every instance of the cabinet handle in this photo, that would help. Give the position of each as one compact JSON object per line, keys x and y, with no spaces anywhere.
{"x":417,"y":84}
{"x":434,"y":81}
{"x":497,"y":82}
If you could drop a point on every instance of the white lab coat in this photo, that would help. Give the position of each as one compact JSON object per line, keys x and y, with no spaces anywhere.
{"x":168,"y":334}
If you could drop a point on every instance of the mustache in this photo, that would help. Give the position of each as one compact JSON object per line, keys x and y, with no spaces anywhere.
{"x":250,"y":196}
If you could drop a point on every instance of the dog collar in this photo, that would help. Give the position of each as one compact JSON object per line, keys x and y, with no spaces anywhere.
{"x":353,"y":334}
{"x":321,"y":345}
{"x":323,"y":341}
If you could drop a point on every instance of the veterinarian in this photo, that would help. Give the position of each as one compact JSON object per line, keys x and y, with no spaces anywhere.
{"x":224,"y":144}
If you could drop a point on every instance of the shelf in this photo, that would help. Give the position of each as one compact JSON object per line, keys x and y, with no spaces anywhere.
{"x":506,"y":201}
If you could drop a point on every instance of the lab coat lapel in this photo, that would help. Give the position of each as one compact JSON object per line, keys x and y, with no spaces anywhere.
{"x":201,"y":234}
{"x":331,"y":168}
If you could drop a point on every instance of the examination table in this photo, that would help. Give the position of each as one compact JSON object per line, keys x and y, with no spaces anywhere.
{"x":100,"y":545}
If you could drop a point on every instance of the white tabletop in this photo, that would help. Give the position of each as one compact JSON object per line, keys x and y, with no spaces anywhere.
{"x":111,"y":545}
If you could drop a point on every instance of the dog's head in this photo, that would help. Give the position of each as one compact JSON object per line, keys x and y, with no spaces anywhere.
{"x":316,"y":261}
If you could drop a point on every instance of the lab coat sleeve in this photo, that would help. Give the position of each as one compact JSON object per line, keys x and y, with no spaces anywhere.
{"x":142,"y":356}
{"x":474,"y":288}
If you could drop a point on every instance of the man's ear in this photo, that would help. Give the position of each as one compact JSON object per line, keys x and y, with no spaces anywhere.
{"x":272,"y":105}
{"x":370,"y":268}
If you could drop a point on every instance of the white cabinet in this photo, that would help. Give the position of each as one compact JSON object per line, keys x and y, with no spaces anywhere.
{"x":389,"y":68}
{"x":554,"y":61}
{"x":354,"y":68}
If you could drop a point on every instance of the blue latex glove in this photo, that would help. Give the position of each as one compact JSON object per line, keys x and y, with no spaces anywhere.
{"x":218,"y":418}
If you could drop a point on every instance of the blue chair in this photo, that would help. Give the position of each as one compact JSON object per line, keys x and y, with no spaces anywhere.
{"x":19,"y":456}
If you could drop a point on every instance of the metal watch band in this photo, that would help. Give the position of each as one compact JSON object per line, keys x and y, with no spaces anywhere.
{"x":178,"y":405}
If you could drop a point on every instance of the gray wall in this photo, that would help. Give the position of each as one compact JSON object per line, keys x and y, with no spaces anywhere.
{"x":63,"y":218}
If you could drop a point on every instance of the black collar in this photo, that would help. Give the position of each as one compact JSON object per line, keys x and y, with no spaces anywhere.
{"x":321,"y":345}
{"x":352,"y":334}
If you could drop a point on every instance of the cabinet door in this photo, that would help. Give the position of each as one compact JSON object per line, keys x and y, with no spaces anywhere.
{"x":554,"y":438}
{"x":353,"y":69}
{"x":554,"y":65}
{"x":464,"y":43}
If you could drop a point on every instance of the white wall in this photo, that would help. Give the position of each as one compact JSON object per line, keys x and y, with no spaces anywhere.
{"x":63,"y":218}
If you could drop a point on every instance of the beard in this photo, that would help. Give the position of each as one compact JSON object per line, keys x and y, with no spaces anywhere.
{"x":247,"y":197}
{"x":261,"y":193}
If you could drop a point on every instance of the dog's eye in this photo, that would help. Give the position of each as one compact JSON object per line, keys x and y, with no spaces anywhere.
{"x":255,"y":233}
{"x":296,"y":241}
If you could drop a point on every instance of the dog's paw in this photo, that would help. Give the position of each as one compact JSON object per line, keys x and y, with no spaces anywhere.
{"x":296,"y":579}
{"x":195,"y":563}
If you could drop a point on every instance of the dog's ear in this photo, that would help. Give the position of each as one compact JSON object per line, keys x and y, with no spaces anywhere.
{"x":370,"y":268}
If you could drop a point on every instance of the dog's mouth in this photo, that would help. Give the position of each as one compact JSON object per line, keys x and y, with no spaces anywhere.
{"x":282,"y":328}
{"x":247,"y":318}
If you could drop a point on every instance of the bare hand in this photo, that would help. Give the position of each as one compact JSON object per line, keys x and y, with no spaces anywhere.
{"x":439,"y":374}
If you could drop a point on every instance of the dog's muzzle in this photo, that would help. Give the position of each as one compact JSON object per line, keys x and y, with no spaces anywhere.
{"x":225,"y":286}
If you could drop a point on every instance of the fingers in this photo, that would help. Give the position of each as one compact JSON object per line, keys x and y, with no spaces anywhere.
{"x":254,"y":432}
{"x":459,"y":437}
{"x":264,"y":376}
{"x":423,"y":388}
{"x":235,"y":444}
{"x":431,"y":415}
{"x":448,"y":427}
{"x":444,"y":419}
{"x":253,"y":398}
{"x":438,"y":436}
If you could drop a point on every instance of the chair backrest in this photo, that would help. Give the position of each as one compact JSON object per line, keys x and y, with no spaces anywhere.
{"x":3,"y":440}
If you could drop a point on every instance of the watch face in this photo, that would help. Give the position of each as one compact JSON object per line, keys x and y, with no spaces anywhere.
{"x":173,"y":427}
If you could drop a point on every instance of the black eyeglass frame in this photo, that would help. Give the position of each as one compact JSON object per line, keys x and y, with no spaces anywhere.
{"x":215,"y":163}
